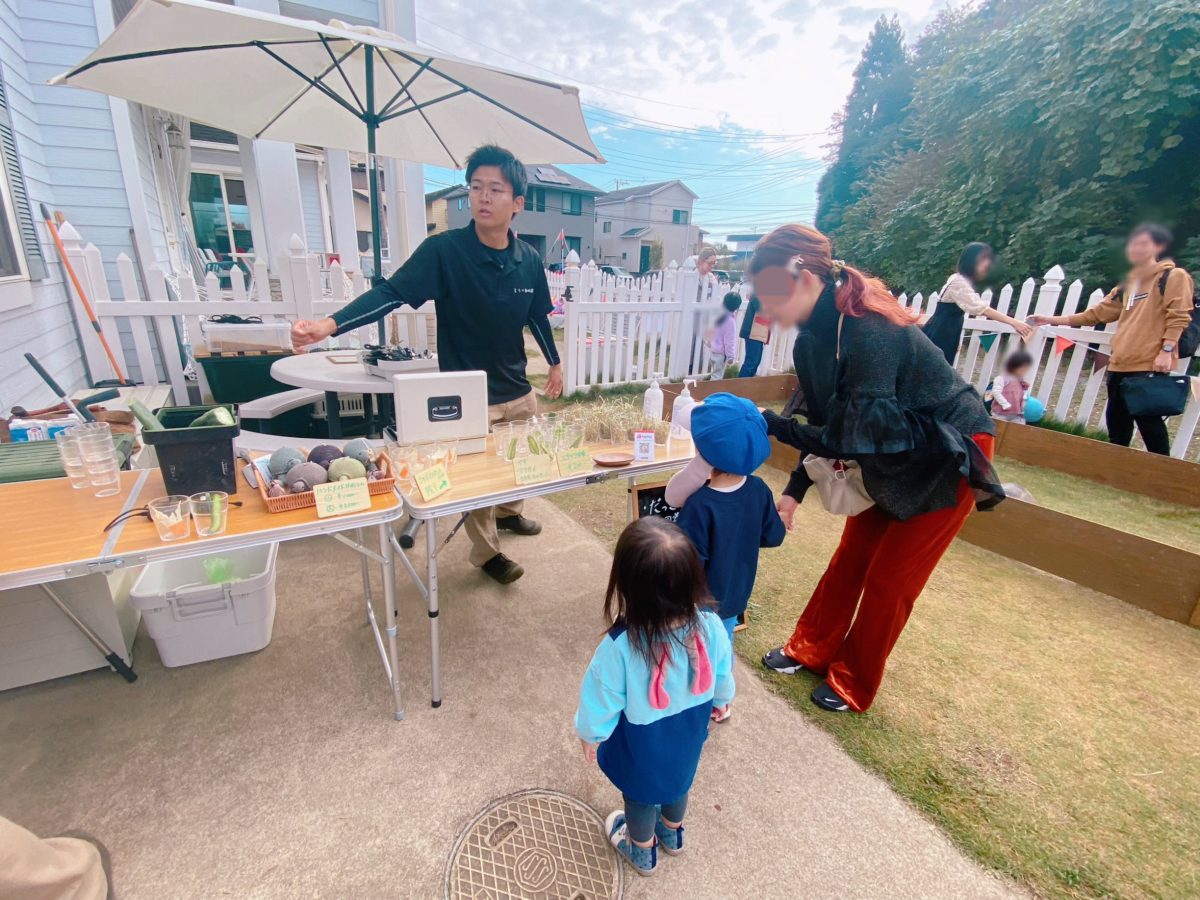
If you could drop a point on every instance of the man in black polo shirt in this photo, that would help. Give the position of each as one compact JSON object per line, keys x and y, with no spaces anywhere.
{"x":487,"y":286}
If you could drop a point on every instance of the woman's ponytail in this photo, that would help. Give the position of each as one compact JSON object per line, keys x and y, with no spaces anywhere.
{"x":859,"y":293}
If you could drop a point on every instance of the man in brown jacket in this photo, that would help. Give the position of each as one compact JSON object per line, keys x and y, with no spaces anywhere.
{"x":1151,"y":307}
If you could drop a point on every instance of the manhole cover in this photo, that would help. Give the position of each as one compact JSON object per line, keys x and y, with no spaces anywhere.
{"x":534,"y":845}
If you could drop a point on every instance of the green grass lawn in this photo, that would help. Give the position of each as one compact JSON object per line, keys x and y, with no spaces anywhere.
{"x":1051,"y":731}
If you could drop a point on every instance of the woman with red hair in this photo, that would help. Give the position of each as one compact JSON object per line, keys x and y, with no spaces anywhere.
{"x":875,"y":390}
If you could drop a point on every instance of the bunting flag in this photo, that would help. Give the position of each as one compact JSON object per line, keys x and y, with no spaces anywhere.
{"x":1100,"y":362}
{"x":1061,"y":343}
{"x":986,"y":340}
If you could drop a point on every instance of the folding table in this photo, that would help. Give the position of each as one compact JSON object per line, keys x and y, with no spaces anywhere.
{"x":480,"y":480}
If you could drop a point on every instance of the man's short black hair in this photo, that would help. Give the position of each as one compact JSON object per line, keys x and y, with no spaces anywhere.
{"x":510,"y":167}
{"x":1160,"y":235}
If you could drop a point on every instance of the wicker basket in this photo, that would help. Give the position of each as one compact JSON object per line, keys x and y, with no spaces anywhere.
{"x":307,"y":500}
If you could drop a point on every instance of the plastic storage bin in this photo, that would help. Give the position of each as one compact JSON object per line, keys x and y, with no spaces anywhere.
{"x":194,"y":621}
{"x":194,"y":459}
{"x":221,"y":337}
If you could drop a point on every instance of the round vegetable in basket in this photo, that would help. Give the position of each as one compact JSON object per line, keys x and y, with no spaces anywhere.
{"x":305,"y":477}
{"x":324,"y":454}
{"x":346,"y":468}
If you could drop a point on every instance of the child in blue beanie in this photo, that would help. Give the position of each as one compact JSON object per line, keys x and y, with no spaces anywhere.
{"x":732,"y":515}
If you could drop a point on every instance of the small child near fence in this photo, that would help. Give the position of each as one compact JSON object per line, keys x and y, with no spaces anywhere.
{"x":722,"y":343}
{"x":646,"y":696}
{"x":1009,"y":390}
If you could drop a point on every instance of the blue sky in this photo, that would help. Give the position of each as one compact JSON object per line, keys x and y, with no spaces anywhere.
{"x":735,"y":102}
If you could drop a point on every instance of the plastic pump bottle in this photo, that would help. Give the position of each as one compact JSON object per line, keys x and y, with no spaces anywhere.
{"x":681,"y":412}
{"x":652,"y":406}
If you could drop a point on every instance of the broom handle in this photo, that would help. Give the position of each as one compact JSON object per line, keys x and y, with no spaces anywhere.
{"x":62,"y":253}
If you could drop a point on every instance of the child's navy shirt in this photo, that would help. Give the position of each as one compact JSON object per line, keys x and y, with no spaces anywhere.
{"x":728,"y":528}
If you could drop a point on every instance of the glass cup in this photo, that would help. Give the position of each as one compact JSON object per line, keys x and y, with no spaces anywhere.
{"x":99,"y":457}
{"x":210,"y":512}
{"x":72,"y":459}
{"x":502,"y":433}
{"x":518,"y":444}
{"x":170,"y":516}
{"x":400,"y":459}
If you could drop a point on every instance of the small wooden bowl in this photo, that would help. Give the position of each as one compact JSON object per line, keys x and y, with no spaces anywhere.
{"x":612,"y":460}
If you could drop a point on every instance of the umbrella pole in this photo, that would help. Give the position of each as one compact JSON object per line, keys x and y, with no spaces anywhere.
{"x":372,"y":120}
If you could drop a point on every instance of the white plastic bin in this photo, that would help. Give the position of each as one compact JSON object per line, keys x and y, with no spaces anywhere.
{"x":194,"y":621}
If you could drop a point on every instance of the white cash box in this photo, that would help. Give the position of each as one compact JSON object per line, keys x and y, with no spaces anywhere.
{"x":441,"y":406}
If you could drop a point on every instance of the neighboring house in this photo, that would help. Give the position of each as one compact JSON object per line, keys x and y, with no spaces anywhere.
{"x":556,"y":203}
{"x":140,"y":181}
{"x":742,"y":246}
{"x":438,"y":204}
{"x":631,"y":220}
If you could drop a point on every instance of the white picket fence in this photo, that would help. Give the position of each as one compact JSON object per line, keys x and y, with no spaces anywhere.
{"x":160,"y":324}
{"x":619,"y":331}
{"x":615,"y":330}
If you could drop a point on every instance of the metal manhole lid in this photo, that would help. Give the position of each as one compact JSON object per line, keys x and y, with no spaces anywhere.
{"x":534,"y":845}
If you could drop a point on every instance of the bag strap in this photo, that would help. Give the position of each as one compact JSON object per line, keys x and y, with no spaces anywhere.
{"x":837,"y":351}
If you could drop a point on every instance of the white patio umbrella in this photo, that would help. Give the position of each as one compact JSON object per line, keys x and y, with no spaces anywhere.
{"x":335,"y":85}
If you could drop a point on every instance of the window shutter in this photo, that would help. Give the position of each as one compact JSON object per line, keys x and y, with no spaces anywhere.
{"x":24,"y":226}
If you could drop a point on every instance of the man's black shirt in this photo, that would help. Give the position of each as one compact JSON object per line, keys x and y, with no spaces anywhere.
{"x":484,"y":298}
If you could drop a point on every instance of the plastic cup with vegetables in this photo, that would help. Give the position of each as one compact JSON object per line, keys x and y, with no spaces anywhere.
{"x":170,"y":517}
{"x":210,"y":510}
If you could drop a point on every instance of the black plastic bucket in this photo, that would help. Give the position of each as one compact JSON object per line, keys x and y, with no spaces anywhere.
{"x":194,"y":459}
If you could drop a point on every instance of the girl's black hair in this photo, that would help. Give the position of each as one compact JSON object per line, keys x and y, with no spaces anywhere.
{"x":968,"y":260}
{"x":657,"y":584}
{"x":1019,"y":359}
{"x":732,"y":301}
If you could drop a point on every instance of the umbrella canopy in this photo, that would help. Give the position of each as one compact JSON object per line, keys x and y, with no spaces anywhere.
{"x":360,"y":89}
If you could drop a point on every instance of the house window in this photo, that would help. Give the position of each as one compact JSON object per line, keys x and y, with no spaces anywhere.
{"x":572,"y":205}
{"x":461,"y":202}
{"x":535,"y":199}
{"x":221,"y":215}
{"x":679,"y":216}
{"x":20,"y":253}
{"x":606,"y":228}
{"x":574,"y":243}
{"x":624,"y":256}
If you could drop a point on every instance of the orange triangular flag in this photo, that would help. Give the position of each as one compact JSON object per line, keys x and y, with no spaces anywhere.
{"x":1061,"y":343}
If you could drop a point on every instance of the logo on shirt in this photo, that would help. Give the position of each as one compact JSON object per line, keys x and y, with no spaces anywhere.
{"x":520,"y":290}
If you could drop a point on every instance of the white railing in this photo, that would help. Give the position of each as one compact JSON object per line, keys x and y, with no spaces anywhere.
{"x":159,"y":325}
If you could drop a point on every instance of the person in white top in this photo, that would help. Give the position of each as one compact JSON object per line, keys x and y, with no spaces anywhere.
{"x":958,"y":298}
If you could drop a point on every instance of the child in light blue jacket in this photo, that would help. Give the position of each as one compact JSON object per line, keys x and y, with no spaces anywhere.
{"x":646,"y":697}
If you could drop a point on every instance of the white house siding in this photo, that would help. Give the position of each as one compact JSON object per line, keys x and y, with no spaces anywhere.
{"x":45,"y":327}
{"x":145,"y":164}
{"x":310,"y":201}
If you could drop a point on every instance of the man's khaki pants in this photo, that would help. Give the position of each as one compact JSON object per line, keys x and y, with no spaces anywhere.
{"x":481,"y":524}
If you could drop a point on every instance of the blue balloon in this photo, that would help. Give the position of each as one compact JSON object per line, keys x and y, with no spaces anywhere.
{"x":1034,"y":410}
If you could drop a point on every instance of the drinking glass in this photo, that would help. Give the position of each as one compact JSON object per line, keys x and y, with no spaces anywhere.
{"x":501,"y":437}
{"x":210,"y":512}
{"x":519,"y":441}
{"x":400,"y":460}
{"x":99,"y":457}
{"x":170,"y":516}
{"x":72,"y":459}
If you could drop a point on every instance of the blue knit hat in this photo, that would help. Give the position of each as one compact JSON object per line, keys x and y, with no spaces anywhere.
{"x":730,"y":433}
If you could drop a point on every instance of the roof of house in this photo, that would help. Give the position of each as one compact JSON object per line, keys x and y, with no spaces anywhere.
{"x":636,"y":232}
{"x":453,"y":191}
{"x":643,"y":190}
{"x":743,"y":238}
{"x":553,"y":176}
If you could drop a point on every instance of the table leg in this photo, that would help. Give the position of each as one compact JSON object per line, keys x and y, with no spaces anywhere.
{"x":434,"y":645}
{"x":333,"y":414}
{"x":110,"y":656}
{"x":389,"y":596}
{"x":369,"y":414}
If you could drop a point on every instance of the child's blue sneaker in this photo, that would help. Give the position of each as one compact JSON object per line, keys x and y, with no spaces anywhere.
{"x":643,"y":859}
{"x":670,"y":839}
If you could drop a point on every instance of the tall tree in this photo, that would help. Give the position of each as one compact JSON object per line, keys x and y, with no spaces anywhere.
{"x":1048,"y":130}
{"x":870,"y":124}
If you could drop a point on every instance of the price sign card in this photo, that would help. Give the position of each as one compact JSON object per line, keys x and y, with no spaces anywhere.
{"x":433,"y":482}
{"x":533,"y":469}
{"x":574,"y":462}
{"x":336,"y":498}
{"x":643,"y":445}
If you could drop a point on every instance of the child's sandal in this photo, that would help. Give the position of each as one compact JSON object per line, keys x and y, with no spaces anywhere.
{"x":722,"y":713}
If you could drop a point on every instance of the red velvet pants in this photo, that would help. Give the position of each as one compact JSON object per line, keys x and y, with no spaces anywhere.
{"x":880,"y":567}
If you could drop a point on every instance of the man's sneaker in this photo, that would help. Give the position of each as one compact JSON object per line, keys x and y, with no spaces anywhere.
{"x":829,"y":699}
{"x":670,"y":839}
{"x":518,"y":525}
{"x":503,"y":569}
{"x":643,"y":859}
{"x":778,"y":661}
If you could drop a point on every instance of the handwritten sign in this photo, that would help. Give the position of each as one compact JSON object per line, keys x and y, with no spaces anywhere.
{"x":533,"y":468}
{"x":574,"y":462}
{"x":336,"y":498}
{"x":643,"y":445}
{"x":433,"y":482}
